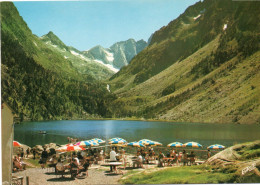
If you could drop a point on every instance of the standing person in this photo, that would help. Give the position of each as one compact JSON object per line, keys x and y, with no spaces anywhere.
{"x":44,"y":157}
{"x":143,"y":154}
{"x":34,"y":153}
{"x":179,"y":158}
{"x":113,"y":155}
{"x":27,"y":152}
{"x":22,"y":153}
{"x":160,"y":159}
{"x":209,"y":154}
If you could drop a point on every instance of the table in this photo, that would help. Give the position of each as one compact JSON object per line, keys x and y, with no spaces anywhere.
{"x":165,"y":159}
{"x":114,"y":164}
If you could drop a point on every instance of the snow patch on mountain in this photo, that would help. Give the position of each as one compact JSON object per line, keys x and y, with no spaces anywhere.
{"x":50,"y":43}
{"x":198,"y":16}
{"x":109,"y":56}
{"x":74,"y":53}
{"x":224,"y":27}
{"x":109,"y":66}
{"x":35,"y":44}
{"x":108,"y":88}
{"x":82,"y":57}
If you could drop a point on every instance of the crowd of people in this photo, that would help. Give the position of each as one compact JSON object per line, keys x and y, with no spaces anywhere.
{"x":146,"y":156}
{"x":77,"y":163}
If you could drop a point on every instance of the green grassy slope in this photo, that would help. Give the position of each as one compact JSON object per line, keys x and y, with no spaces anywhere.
{"x":37,"y":82}
{"x":214,"y":79}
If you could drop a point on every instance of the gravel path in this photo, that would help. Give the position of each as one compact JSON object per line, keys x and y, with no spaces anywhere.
{"x":39,"y":176}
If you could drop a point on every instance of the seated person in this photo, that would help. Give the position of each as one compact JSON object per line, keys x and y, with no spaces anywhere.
{"x":139,"y":161}
{"x":79,"y":155}
{"x":74,"y":168}
{"x":184,"y":158}
{"x":17,"y":163}
{"x":160,"y":159}
{"x":75,"y":157}
{"x":147,"y":158}
{"x":52,"y":162}
{"x":173,"y":156}
{"x":20,"y":159}
{"x":85,"y":166}
{"x":179,"y":158}
{"x":60,"y":168}
{"x":192,"y":158}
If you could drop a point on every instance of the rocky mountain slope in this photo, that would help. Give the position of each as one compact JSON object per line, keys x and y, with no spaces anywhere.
{"x":201,"y":67}
{"x":84,"y":64}
{"x":110,"y":59}
{"x":119,"y":54}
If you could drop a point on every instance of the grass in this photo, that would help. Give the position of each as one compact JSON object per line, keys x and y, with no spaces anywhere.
{"x":33,"y":162}
{"x":183,"y":175}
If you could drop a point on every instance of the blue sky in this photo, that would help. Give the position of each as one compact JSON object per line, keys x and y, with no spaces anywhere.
{"x":85,"y":24}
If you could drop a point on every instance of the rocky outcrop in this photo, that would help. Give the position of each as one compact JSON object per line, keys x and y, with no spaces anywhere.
{"x":39,"y":148}
{"x":242,"y":160}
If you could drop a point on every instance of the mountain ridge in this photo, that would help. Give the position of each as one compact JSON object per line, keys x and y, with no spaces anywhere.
{"x":157,"y":84}
{"x":118,"y":54}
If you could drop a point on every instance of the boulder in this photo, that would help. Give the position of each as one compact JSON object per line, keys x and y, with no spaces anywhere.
{"x":51,"y":145}
{"x":38,"y":148}
{"x":242,"y":160}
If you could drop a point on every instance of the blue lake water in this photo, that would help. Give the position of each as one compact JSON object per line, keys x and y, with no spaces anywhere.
{"x":164,"y":132}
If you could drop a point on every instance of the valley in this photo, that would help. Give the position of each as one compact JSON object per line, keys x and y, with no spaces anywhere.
{"x":202,"y":67}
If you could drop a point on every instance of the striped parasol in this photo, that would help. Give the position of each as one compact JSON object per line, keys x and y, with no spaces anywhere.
{"x":192,"y":144}
{"x":216,"y":146}
{"x":157,"y":143}
{"x":97,"y":140}
{"x":175,"y":144}
{"x":86,"y":143}
{"x":146,"y":142}
{"x":16,"y":144}
{"x":69,"y":148}
{"x":135,"y":144}
{"x":117,"y":140}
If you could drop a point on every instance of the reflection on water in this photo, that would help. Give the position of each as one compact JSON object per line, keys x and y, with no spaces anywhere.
{"x":164,"y":132}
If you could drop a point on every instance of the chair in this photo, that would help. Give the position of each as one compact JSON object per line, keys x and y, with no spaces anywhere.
{"x":73,"y":172}
{"x":17,"y":180}
{"x":59,"y":170}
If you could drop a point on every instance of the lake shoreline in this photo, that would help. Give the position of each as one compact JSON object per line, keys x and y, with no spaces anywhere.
{"x":129,"y":119}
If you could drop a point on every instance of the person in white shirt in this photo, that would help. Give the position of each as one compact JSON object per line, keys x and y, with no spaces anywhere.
{"x":113,"y":155}
{"x":139,"y":161}
{"x":77,"y":159}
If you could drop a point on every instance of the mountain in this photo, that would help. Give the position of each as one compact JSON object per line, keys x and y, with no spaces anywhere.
{"x":201,"y":67}
{"x":119,"y":54}
{"x":85,"y":64}
{"x":38,"y":82}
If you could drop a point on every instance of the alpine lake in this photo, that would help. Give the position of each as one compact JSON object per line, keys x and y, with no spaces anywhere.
{"x":165,"y":132}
